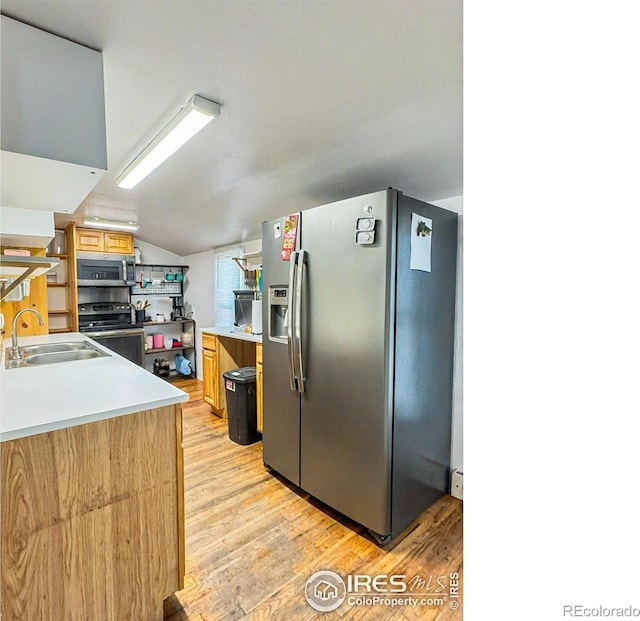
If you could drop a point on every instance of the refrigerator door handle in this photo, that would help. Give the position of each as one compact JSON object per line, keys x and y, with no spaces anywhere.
{"x":291,"y":319}
{"x":298,"y":330}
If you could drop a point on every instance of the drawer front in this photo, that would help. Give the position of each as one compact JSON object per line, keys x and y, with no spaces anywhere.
{"x":209,"y":342}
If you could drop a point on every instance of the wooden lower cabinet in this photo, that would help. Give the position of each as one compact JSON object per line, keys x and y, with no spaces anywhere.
{"x":93,"y":519}
{"x":219,"y":355}
{"x":259,"y":381}
{"x":209,"y":372}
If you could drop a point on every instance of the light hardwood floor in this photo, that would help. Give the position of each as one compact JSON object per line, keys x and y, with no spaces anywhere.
{"x":253,"y":540}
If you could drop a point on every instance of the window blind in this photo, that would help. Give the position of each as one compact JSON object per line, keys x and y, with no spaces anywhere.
{"x":228,"y":277}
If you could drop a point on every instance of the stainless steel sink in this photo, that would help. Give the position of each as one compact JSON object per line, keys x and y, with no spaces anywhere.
{"x":64,"y":356}
{"x":53,"y":353}
{"x":50,"y":348}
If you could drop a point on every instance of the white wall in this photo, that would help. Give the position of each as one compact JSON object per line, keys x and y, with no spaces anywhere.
{"x":158,"y":256}
{"x":455,"y":204}
{"x":200,"y":290}
{"x":198,"y":295}
{"x":254,"y":245}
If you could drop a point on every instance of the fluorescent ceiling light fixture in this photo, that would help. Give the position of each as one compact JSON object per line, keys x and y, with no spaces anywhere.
{"x":189,"y":120}
{"x":117,"y":225}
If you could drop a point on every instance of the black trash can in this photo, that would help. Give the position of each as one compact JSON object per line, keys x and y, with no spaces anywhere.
{"x":240,"y":386}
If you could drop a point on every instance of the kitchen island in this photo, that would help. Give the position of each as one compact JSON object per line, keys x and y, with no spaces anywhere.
{"x":92,"y":521}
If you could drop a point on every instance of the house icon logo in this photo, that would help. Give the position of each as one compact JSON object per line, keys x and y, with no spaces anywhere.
{"x":325,"y":591}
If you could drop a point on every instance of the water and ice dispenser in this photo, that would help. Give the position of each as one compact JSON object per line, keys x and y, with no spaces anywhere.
{"x":278,"y":313}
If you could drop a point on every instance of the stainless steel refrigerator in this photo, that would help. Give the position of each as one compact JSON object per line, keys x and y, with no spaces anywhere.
{"x":358,"y":321}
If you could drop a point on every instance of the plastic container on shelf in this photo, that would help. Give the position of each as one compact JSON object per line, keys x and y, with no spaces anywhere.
{"x":58,"y":244}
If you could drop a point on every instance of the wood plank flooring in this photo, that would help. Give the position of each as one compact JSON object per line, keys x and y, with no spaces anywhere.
{"x":253,"y":539}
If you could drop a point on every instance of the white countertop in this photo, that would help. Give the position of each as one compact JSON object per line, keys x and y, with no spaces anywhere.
{"x":45,"y":398}
{"x":233,"y":332}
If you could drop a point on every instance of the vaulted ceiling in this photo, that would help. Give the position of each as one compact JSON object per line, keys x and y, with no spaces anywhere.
{"x":320,"y":101}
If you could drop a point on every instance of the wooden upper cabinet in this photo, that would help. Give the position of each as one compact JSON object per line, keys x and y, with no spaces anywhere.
{"x":89,"y":240}
{"x":120,"y":243}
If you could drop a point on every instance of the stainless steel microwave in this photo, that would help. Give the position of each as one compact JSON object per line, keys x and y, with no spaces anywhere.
{"x":105,"y":270}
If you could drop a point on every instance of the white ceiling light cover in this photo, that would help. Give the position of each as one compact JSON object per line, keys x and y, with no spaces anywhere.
{"x":103,"y":223}
{"x":191,"y":118}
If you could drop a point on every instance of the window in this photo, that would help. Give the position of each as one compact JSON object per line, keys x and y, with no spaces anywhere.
{"x":228,"y":277}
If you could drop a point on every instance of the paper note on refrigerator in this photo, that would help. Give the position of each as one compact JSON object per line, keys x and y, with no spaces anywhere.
{"x":421,"y":231}
{"x":290,"y":236}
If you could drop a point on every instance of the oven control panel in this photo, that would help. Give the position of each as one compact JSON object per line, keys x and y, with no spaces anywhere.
{"x":118,"y":307}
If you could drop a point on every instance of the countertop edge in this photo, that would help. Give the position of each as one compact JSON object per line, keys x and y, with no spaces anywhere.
{"x":86,"y":419}
{"x":79,"y":394}
{"x":230,"y":333}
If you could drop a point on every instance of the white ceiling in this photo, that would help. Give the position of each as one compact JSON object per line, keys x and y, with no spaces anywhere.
{"x":320,"y":101}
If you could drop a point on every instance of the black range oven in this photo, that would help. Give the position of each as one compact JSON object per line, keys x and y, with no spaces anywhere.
{"x":110,"y":324}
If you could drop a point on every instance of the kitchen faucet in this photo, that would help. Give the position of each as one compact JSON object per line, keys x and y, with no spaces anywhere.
{"x":16,"y":353}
